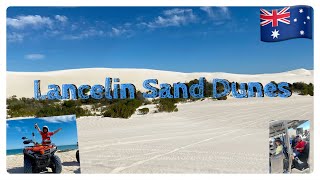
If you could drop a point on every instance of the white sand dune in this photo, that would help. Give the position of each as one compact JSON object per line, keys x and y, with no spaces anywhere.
{"x":21,"y":83}
{"x":208,"y":136}
{"x":68,"y":160}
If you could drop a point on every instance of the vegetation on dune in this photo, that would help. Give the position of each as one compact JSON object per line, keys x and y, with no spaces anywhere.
{"x":302,"y":88}
{"x":122,"y":108}
{"x":23,"y":107}
{"x":42,"y":108}
{"x":66,"y":108}
{"x":208,"y":89}
{"x":167,"y":105}
{"x":143,"y":111}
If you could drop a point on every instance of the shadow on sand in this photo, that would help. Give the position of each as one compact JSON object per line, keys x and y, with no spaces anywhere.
{"x":18,"y":170}
{"x":77,"y":171}
{"x":72,"y":163}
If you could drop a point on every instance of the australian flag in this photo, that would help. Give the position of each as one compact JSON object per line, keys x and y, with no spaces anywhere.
{"x":286,"y":23}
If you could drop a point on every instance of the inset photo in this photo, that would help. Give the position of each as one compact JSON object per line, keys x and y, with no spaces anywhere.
{"x":43,"y":145}
{"x":289,"y":146}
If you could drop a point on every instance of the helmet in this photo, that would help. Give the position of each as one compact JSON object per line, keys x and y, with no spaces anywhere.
{"x":45,"y":127}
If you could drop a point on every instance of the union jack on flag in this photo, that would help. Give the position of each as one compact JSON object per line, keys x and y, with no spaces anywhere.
{"x":275,"y":16}
{"x":286,"y":23}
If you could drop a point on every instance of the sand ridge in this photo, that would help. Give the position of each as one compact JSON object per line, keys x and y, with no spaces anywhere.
{"x":21,"y":84}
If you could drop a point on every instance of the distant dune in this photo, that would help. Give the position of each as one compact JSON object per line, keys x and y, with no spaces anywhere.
{"x":21,"y":83}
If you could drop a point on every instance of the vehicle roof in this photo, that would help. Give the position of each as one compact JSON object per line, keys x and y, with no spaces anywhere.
{"x":276,"y":127}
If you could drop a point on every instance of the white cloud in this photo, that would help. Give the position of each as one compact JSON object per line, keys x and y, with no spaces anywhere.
{"x":61,"y":18}
{"x":118,"y":31}
{"x":62,"y":27}
{"x":172,"y":17}
{"x":84,"y":34}
{"x":96,"y":32}
{"x":217,"y":13}
{"x":35,"y":21}
{"x":15,"y":37}
{"x":19,"y":27}
{"x":59,"y":119}
{"x":175,"y":11}
{"x":34,"y":56}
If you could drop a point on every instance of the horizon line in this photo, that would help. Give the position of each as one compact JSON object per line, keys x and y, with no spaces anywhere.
{"x":73,"y":69}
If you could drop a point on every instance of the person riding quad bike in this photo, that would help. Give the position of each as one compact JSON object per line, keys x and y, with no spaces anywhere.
{"x":39,"y":157}
{"x":45,"y":134}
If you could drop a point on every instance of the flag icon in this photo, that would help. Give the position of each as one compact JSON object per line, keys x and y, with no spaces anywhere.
{"x":286,"y":23}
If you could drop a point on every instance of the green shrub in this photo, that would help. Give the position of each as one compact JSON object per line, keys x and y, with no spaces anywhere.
{"x":143,"y":111}
{"x":223,"y":98}
{"x":66,"y":108}
{"x":22,"y":107}
{"x":302,"y":88}
{"x":167,"y":105}
{"x":122,"y":109}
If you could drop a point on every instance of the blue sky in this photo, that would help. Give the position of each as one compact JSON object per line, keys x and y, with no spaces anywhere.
{"x":305,"y":125}
{"x":184,"y":39}
{"x":16,"y":129}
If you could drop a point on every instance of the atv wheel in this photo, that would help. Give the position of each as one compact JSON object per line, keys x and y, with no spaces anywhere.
{"x":56,"y":164}
{"x":27,"y":165}
{"x":77,"y":156}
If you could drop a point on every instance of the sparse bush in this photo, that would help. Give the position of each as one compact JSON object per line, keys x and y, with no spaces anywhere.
{"x":66,"y":108}
{"x":122,"y":109}
{"x":23,"y":107}
{"x":146,"y":102}
{"x":143,"y":111}
{"x":167,"y":105}
{"x":223,"y":98}
{"x":155,"y":101}
{"x":302,"y":88}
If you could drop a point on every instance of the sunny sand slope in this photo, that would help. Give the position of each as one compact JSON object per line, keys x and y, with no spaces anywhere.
{"x":68,"y":160}
{"x":21,"y":83}
{"x":207,"y":136}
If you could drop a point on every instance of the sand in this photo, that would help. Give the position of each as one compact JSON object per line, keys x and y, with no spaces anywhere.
{"x":207,"y":136}
{"x":21,"y":83}
{"x":68,"y":160}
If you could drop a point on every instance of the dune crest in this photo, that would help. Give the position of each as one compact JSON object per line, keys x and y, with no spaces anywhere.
{"x":21,"y":83}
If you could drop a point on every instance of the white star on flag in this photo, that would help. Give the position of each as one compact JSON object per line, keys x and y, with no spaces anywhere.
{"x":275,"y":34}
{"x":295,"y":19}
{"x":300,"y":10}
{"x":308,"y":17}
{"x":302,"y":32}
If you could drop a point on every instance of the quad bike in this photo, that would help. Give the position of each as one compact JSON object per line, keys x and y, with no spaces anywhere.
{"x":39,"y":157}
{"x":77,"y":154}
